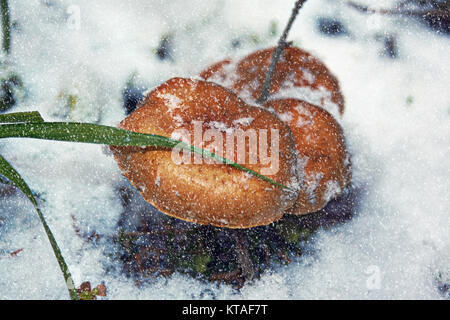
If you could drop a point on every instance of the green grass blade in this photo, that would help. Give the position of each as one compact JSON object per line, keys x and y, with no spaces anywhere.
{"x":193,"y":149}
{"x":8,"y":171}
{"x":31,"y":116}
{"x":99,"y":134}
{"x":83,"y":132}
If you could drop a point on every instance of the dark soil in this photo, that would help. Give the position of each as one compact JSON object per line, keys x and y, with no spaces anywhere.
{"x":152,"y":244}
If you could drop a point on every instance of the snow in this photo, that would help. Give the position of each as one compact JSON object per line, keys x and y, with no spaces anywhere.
{"x":333,"y":189}
{"x":286,"y":116}
{"x":243,"y":121}
{"x":396,"y":124}
{"x":172,"y":102}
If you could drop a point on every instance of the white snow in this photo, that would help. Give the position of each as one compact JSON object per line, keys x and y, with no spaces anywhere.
{"x":333,"y":190}
{"x":220,"y":126}
{"x":396,"y":122}
{"x":172,"y":102}
{"x":243,"y":121}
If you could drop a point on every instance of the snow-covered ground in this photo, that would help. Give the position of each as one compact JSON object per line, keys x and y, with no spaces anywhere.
{"x":397,"y":125}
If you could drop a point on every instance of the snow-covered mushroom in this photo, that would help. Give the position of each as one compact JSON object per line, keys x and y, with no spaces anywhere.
{"x":298,"y":74}
{"x":325,"y":168}
{"x":324,"y":160}
{"x":209,"y":193}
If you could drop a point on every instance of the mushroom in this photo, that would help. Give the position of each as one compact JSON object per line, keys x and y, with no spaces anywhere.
{"x":325,"y":163}
{"x":210,"y":193}
{"x":324,"y":160}
{"x":297,"y":74}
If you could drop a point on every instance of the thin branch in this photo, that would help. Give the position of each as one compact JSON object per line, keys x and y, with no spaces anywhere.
{"x":434,"y":11}
{"x":366,"y":9}
{"x":282,"y":44}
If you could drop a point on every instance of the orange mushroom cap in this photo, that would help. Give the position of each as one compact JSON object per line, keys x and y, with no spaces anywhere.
{"x":208,"y":193}
{"x":298,"y":74}
{"x":325,"y":162}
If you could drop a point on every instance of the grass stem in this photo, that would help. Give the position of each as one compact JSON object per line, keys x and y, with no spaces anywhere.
{"x":6,"y":26}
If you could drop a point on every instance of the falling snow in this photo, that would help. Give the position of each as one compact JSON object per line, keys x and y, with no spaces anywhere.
{"x":396,"y":123}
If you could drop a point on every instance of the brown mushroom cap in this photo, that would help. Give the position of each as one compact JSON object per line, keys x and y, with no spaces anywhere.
{"x":212,"y":193}
{"x":321,"y":150}
{"x":298,"y":74}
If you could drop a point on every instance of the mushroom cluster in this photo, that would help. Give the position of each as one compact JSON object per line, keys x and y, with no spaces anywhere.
{"x":306,"y":150}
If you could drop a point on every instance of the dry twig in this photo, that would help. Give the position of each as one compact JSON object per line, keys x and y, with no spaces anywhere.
{"x":282,"y":44}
